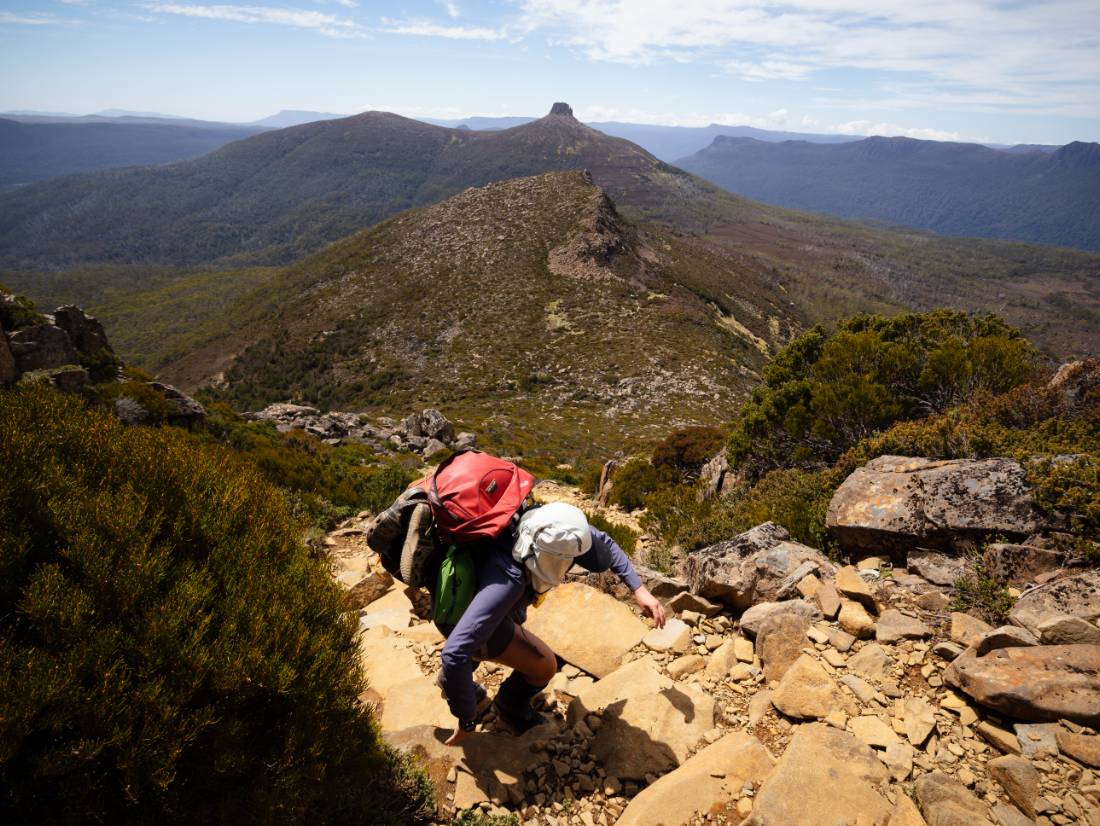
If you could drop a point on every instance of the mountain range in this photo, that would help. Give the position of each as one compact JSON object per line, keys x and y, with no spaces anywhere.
{"x":530,"y":301}
{"x":950,"y":188}
{"x":38,"y":148}
{"x":122,"y":241}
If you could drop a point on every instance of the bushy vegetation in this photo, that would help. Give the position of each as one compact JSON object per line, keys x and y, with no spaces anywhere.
{"x":19,"y":313}
{"x":632,"y":483}
{"x":168,"y":650}
{"x":624,"y":535}
{"x":327,"y":483}
{"x":825,"y":392}
{"x":973,"y":394}
{"x":680,"y":456}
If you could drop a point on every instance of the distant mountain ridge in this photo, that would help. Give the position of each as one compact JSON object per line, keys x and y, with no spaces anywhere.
{"x":278,"y":196}
{"x":45,"y":148}
{"x":950,"y":188}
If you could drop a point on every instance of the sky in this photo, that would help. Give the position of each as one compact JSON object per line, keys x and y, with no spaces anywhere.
{"x":1004,"y":71}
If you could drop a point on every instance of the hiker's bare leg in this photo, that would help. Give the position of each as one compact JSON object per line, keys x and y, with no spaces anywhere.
{"x":530,"y":656}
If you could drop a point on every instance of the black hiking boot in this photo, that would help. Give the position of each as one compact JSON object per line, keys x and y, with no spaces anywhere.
{"x":513,"y":704}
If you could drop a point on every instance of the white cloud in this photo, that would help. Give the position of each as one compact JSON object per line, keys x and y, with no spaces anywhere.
{"x":348,"y":4}
{"x":326,"y":24}
{"x":7,"y":17}
{"x":1024,"y":52}
{"x":451,"y":7}
{"x":426,"y":28}
{"x":598,"y":114}
{"x":893,"y":130}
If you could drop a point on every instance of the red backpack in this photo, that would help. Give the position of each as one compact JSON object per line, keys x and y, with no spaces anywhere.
{"x":475,"y":496}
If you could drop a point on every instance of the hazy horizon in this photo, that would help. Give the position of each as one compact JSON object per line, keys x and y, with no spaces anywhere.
{"x":980,"y":70}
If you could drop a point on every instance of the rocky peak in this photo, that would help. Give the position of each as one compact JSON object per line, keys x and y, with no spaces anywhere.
{"x":563,"y":109}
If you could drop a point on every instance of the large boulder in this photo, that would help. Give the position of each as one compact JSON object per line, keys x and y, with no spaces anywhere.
{"x":8,"y":371}
{"x":635,"y":679}
{"x":587,"y":628}
{"x":806,"y":691}
{"x":1074,"y":596}
{"x":652,"y":733}
{"x":898,"y":503}
{"x":825,"y":777}
{"x":753,"y":619}
{"x":85,"y":331}
{"x":709,"y":781}
{"x":1036,"y":684}
{"x":944,"y":801}
{"x":753,"y":567}
{"x":779,"y":642}
{"x":41,"y":347}
{"x":1019,"y":564}
{"x":186,"y":412}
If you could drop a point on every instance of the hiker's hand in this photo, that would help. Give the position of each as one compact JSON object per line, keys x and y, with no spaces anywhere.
{"x":650,"y":605}
{"x":458,"y":736}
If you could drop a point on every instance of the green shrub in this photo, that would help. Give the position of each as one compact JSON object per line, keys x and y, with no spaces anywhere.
{"x":796,"y":499}
{"x":979,"y":593}
{"x":168,"y":650}
{"x":21,"y":313}
{"x":680,"y":456}
{"x":1070,"y":487}
{"x":154,"y":403}
{"x":328,"y":483}
{"x":632,"y":483}
{"x":825,"y":392}
{"x":102,"y":365}
{"x":677,"y":516}
{"x":624,"y":536}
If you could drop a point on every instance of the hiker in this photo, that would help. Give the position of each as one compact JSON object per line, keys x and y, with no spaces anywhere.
{"x":512,"y":572}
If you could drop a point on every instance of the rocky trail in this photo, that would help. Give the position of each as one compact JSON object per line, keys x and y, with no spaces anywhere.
{"x":810,"y":693}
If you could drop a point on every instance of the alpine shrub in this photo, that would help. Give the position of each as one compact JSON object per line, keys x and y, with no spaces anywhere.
{"x":632,"y":483}
{"x":681,"y":455}
{"x":169,"y":653}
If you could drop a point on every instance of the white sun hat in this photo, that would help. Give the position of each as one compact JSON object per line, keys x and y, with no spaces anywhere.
{"x":550,"y":538}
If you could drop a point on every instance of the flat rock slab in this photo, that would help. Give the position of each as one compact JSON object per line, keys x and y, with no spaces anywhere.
{"x":854,"y":587}
{"x":675,"y":637}
{"x":753,"y":618}
{"x":489,"y":766}
{"x":893,"y":626}
{"x":966,"y":629}
{"x":825,"y":777}
{"x":653,"y":733}
{"x":587,"y":628}
{"x":387,"y":660}
{"x":806,"y":691}
{"x":898,"y":503}
{"x":412,"y":703}
{"x":1066,"y":630}
{"x":711,"y":779}
{"x":1082,"y":747}
{"x":779,"y":642}
{"x":635,"y":679}
{"x":1038,"y":684}
{"x":1075,"y":596}
{"x":944,"y":801}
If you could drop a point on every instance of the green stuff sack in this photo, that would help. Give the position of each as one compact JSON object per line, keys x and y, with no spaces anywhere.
{"x":455,"y":585}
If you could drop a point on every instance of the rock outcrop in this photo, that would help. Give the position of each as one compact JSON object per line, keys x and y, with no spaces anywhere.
{"x":1038,"y":683}
{"x":589,"y":629}
{"x":1073,"y":596}
{"x":760,"y":565}
{"x":710,"y":781}
{"x":898,"y":503}
{"x":825,"y":777}
{"x":682,"y":727}
{"x":427,"y":432}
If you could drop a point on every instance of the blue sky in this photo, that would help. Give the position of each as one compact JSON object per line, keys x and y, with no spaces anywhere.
{"x":987,"y":70}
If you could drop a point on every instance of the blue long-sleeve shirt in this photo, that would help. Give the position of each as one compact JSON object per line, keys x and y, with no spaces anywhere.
{"x":502,"y":591}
